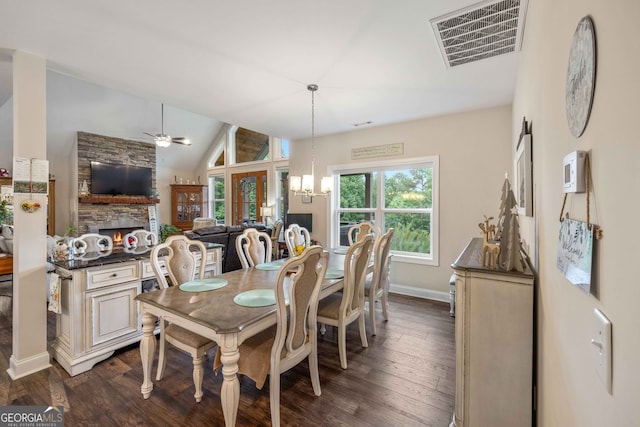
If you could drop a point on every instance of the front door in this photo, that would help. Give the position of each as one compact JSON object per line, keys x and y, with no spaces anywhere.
{"x":249,"y":192}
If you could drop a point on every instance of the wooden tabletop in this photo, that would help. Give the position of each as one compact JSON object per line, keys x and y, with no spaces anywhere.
{"x":215,"y":309}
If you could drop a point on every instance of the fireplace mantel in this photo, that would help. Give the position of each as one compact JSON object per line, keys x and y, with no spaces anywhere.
{"x":121,"y":200}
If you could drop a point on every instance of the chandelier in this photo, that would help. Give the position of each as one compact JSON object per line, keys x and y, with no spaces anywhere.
{"x":303,"y":186}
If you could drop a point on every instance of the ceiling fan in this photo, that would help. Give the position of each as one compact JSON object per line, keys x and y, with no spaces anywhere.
{"x":163,"y":140}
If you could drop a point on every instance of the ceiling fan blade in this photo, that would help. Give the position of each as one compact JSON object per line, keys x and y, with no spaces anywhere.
{"x":181,"y":140}
{"x":161,"y":138}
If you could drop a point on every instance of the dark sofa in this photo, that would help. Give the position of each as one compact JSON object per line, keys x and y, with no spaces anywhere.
{"x":225,"y":235}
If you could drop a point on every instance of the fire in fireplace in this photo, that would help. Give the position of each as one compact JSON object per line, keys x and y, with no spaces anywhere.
{"x":117,"y":234}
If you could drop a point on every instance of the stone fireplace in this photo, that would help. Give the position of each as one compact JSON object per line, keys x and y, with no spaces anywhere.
{"x":106,"y":214}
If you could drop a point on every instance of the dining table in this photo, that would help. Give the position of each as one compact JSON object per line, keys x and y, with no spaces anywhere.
{"x":216,"y":315}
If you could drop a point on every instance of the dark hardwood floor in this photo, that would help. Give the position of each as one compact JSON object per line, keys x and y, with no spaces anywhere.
{"x":404,"y":378}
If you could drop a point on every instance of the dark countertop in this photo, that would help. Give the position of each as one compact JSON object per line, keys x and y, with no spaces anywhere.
{"x":117,"y":255}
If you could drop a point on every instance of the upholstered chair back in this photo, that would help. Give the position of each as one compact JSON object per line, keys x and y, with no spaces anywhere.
{"x":178,"y":260}
{"x":254,"y":247}
{"x":360,"y":230}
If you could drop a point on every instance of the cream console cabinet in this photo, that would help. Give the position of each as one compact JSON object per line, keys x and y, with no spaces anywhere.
{"x":494,"y":344}
{"x":99,"y":314}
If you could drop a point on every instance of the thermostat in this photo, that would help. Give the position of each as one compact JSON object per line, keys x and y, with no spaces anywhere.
{"x":573,"y":172}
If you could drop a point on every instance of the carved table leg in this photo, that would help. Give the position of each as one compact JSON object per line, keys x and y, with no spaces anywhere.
{"x":230,"y":393}
{"x":147,"y":350}
{"x":197,"y":377}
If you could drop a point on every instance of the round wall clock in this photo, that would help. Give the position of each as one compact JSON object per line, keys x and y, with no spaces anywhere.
{"x":581,"y":76}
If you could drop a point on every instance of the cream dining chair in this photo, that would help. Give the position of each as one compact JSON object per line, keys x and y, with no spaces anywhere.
{"x":297,"y":238}
{"x":181,"y":266}
{"x":275,"y":236}
{"x":253,"y":247}
{"x":376,"y":285}
{"x":342,"y":309}
{"x":138,"y":238}
{"x":294,"y":336}
{"x":92,"y":242}
{"x":360,"y":230}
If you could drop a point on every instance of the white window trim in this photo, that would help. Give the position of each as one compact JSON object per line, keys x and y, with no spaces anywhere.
{"x":212,"y":192}
{"x":336,"y":170}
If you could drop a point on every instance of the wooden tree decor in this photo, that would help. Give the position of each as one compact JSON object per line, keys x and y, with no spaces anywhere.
{"x":490,"y":248}
{"x":509,"y":231}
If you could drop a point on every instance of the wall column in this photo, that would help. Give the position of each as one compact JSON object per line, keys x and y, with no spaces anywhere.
{"x":29,"y":252}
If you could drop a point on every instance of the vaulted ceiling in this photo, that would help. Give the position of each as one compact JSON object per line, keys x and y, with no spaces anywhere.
{"x":248,"y":63}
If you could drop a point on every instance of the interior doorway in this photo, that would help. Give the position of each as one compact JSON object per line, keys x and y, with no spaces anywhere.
{"x":249,"y":193}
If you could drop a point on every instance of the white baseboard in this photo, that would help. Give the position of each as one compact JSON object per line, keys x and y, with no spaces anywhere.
{"x":22,"y":368}
{"x":419,"y":292}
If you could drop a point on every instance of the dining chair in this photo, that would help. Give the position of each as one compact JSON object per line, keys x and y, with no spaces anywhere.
{"x":360,"y":230}
{"x":139,"y":238}
{"x":297,"y":238}
{"x":92,"y":242}
{"x":203,"y":222}
{"x":342,"y":309}
{"x":376,"y":285}
{"x":181,"y":266}
{"x":275,"y":236}
{"x":294,"y":336}
{"x":253,"y":247}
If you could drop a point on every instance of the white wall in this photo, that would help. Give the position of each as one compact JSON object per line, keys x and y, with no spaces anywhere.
{"x":475,"y":153}
{"x":569,"y":391}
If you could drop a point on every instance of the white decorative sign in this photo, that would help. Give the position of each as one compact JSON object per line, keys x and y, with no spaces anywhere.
{"x":575,"y":252}
{"x":153,"y":221}
{"x":377,"y":151}
{"x":30,"y":176}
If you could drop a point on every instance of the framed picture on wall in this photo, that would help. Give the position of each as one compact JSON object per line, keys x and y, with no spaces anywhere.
{"x":523,"y":183}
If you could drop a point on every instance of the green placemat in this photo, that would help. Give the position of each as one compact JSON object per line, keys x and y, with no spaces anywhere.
{"x":334,"y":273}
{"x":202,"y":285}
{"x":256,"y":298}
{"x":274,"y":265}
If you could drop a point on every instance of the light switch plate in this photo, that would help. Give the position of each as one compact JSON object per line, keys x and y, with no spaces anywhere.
{"x":602,"y":348}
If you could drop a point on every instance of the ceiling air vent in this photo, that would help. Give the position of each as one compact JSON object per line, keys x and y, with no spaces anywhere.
{"x":480,"y":31}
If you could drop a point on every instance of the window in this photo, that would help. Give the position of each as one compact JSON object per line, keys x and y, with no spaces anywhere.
{"x":216,"y":198}
{"x":398,"y":195}
{"x":281,"y":148}
{"x":239,"y":152}
{"x":250,"y":146}
{"x":282,"y":193}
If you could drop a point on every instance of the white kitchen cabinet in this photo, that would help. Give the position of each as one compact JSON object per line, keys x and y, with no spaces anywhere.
{"x":494,"y":343}
{"x":99,"y":313}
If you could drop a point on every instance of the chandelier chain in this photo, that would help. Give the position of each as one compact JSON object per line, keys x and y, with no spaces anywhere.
{"x":303,"y":185}
{"x":312,"y":88}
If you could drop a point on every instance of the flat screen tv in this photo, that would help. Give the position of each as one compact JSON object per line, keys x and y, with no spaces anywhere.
{"x":108,"y":178}
{"x":302,"y":219}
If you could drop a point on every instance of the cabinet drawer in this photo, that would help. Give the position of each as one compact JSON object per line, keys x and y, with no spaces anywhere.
{"x":147,"y":270}
{"x":106,"y":276}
